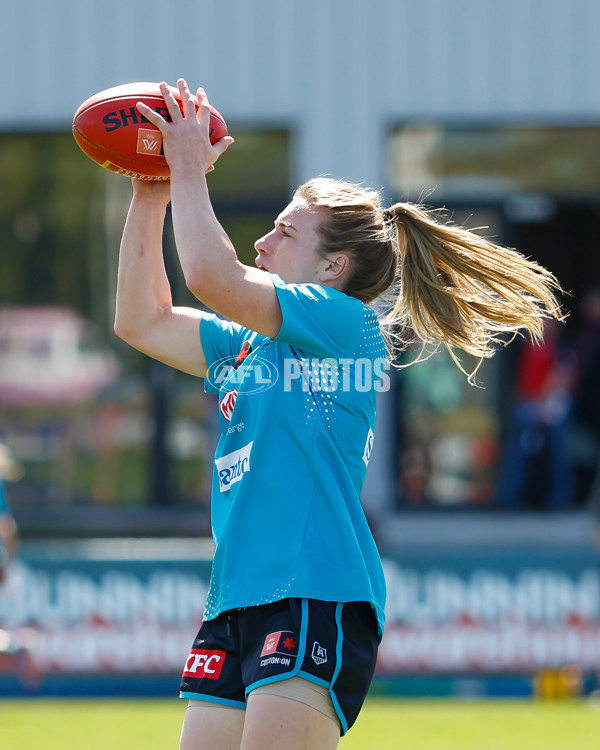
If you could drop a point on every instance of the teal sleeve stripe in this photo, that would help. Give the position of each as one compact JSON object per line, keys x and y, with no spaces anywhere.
{"x":213,"y":699}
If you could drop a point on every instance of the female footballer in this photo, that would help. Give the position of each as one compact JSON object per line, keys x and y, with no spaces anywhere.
{"x":295,"y":610}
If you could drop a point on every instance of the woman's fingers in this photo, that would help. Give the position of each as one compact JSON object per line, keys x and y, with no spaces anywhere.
{"x":187,"y":99}
{"x":202,"y":101}
{"x":152,"y":116}
{"x":185,"y":124}
{"x":171,"y":102}
{"x":222,"y":145}
{"x":186,"y":111}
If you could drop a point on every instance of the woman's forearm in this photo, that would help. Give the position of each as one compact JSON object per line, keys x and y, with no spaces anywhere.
{"x":207,"y":256}
{"x":208,"y":259}
{"x":143,"y":289}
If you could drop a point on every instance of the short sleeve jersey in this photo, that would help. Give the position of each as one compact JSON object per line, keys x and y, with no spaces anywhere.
{"x":297,"y":415}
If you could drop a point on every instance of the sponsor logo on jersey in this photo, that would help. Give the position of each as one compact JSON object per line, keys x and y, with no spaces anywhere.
{"x":149,"y":141}
{"x":235,"y":428}
{"x":244,"y":352}
{"x":204,"y":663}
{"x":227,"y":403}
{"x":319,"y":653}
{"x":368,"y":447}
{"x":232,"y":467}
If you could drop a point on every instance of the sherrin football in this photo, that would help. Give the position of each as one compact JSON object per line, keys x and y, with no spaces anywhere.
{"x":109,"y":129}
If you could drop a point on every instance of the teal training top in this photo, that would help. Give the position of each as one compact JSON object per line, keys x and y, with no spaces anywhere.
{"x":297,"y":415}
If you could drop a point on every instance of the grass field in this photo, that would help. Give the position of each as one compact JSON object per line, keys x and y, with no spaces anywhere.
{"x":384,"y":724}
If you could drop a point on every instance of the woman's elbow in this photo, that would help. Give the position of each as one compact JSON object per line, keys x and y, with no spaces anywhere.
{"x":127,"y":331}
{"x":210,"y":288}
{"x":121,"y":330}
{"x":197,"y":283}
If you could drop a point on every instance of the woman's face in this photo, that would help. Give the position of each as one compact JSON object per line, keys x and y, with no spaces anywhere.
{"x":290,"y":248}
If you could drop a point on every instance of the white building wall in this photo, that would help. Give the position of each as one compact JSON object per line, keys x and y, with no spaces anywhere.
{"x":338,"y":72}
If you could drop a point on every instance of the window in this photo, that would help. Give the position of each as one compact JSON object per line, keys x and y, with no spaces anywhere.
{"x":493,"y":162}
{"x":99,"y":422}
{"x":536,"y":188}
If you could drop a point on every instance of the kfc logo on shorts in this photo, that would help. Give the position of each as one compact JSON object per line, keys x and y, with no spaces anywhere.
{"x":227,"y":404}
{"x":203,"y":663}
{"x":282,"y":642}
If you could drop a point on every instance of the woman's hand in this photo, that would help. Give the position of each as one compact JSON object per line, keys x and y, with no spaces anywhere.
{"x":186,"y":140}
{"x":158,"y":191}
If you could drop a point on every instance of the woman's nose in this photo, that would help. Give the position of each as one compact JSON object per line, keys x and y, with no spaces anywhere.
{"x":262,"y":243}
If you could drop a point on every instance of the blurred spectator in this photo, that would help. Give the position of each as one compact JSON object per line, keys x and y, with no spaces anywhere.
{"x":9,"y":470}
{"x":536,"y":468}
{"x":586,"y":407}
{"x":15,"y":647}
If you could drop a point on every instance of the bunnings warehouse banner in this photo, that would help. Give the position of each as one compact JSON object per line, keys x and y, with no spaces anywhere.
{"x":107,"y":607}
{"x":483,"y":617}
{"x":124,"y":607}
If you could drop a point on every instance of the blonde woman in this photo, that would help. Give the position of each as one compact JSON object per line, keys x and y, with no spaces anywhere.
{"x":295,"y":610}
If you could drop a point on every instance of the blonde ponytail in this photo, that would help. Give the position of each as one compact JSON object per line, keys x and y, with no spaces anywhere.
{"x":445,"y":283}
{"x":461,"y":290}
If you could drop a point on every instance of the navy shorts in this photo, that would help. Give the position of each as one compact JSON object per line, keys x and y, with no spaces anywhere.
{"x":331,"y":644}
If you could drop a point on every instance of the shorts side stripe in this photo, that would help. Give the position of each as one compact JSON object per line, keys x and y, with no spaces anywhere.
{"x":299,"y":658}
{"x":213,"y":699}
{"x":338,"y":666}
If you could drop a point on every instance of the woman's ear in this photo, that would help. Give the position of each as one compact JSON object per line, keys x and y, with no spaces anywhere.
{"x":336,"y":267}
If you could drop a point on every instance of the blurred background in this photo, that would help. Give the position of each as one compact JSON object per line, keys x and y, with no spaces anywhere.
{"x":485,"y":500}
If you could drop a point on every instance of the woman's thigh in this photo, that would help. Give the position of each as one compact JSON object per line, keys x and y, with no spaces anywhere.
{"x":210,"y":726}
{"x":273,"y":722}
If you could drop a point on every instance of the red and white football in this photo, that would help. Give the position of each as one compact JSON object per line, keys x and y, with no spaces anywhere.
{"x":109,"y":129}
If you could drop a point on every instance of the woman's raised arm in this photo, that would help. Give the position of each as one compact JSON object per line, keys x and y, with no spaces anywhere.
{"x":145,"y":316}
